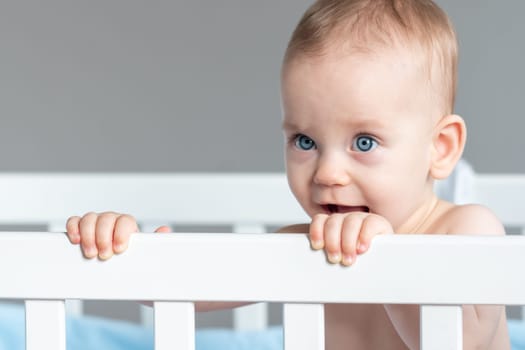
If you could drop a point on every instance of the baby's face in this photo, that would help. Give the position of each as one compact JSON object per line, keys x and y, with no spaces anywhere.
{"x":359,"y":134}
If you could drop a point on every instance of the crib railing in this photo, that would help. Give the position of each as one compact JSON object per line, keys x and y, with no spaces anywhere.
{"x":246,"y":202}
{"x":504,"y":194}
{"x":184,"y":198}
{"x":441,"y":273}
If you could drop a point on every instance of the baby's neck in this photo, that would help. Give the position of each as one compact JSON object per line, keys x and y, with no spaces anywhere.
{"x":421,"y":220}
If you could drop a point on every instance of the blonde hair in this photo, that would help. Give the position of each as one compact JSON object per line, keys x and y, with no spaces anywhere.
{"x":366,"y":25}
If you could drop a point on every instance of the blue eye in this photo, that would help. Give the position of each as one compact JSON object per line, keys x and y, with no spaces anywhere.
{"x":304,"y":143}
{"x":364,"y":144}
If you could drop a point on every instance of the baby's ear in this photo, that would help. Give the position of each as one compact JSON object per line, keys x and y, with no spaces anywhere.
{"x":449,"y":139}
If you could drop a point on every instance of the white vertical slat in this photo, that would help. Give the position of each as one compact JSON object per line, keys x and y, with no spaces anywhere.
{"x":441,"y":327}
{"x":146,"y":313}
{"x":251,"y":317}
{"x":303,"y":326}
{"x":254,"y":316}
{"x":174,"y":325}
{"x":45,"y":324}
{"x":522,"y":230}
{"x":73,"y":307}
{"x":146,"y":316}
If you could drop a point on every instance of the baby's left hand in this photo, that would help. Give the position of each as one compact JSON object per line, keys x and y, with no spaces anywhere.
{"x":344,"y":235}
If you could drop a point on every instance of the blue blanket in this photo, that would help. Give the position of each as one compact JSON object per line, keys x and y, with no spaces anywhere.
{"x":94,"y":333}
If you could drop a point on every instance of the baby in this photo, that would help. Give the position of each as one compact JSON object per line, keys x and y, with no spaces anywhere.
{"x":368,"y":90}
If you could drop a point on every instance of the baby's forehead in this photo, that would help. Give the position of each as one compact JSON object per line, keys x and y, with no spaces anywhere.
{"x":413,"y":62}
{"x":357,"y":66}
{"x":372,"y":83}
{"x":343,"y":52}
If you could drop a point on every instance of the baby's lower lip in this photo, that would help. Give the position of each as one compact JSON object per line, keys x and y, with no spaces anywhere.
{"x":332,"y":208}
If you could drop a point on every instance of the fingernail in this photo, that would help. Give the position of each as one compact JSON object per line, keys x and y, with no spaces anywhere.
{"x":119,"y":248}
{"x":317,"y":245}
{"x":347,"y":260}
{"x":334,"y":258}
{"x":362,"y":247}
{"x":90,"y":252}
{"x":106,"y":254}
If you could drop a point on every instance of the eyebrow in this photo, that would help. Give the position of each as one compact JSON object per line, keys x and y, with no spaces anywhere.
{"x":369,"y":123}
{"x":360,"y":123}
{"x":286,"y":125}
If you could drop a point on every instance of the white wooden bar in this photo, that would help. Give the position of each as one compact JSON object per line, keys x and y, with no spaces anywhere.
{"x":523,"y":306}
{"x":251,"y":317}
{"x":147,"y":316}
{"x":441,"y":327}
{"x":267,"y":267}
{"x":303,"y":326}
{"x":52,"y":197}
{"x":45,"y":324}
{"x":174,"y":268}
{"x":504,"y":194}
{"x":174,"y":325}
{"x":230,"y":197}
{"x":254,"y":316}
{"x":73,"y":307}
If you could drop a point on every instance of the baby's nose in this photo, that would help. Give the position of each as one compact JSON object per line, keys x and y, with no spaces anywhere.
{"x":332,"y":171}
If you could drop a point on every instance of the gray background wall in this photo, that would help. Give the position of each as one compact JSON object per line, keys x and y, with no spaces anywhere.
{"x":194,"y":85}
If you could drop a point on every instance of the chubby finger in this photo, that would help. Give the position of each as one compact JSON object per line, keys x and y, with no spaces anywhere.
{"x":72,"y":229}
{"x":316,"y":231}
{"x":332,"y":238}
{"x":373,"y":225}
{"x":104,"y":229}
{"x":125,"y":225}
{"x":163,"y":229}
{"x":87,"y":226}
{"x":350,"y":234}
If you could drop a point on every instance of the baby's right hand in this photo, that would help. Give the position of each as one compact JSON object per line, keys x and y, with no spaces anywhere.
{"x":344,"y":236}
{"x":103,"y":234}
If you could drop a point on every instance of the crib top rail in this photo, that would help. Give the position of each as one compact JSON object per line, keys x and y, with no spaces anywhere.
{"x":225,"y":197}
{"x":172,"y":197}
{"x":504,"y":194}
{"x":429,"y":269}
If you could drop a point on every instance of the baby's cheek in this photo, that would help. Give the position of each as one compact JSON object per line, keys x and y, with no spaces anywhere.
{"x":375,"y":158}
{"x":296,"y":157}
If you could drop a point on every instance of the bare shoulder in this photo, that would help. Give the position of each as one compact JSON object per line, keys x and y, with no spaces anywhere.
{"x":472,"y":219}
{"x":298,"y":228}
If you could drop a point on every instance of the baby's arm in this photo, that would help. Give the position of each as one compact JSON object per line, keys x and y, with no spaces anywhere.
{"x":480,"y":322}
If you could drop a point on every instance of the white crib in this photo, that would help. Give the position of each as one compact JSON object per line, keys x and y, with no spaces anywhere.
{"x":173,"y":270}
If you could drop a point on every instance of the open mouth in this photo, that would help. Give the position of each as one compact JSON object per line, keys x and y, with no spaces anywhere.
{"x":334,"y":208}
